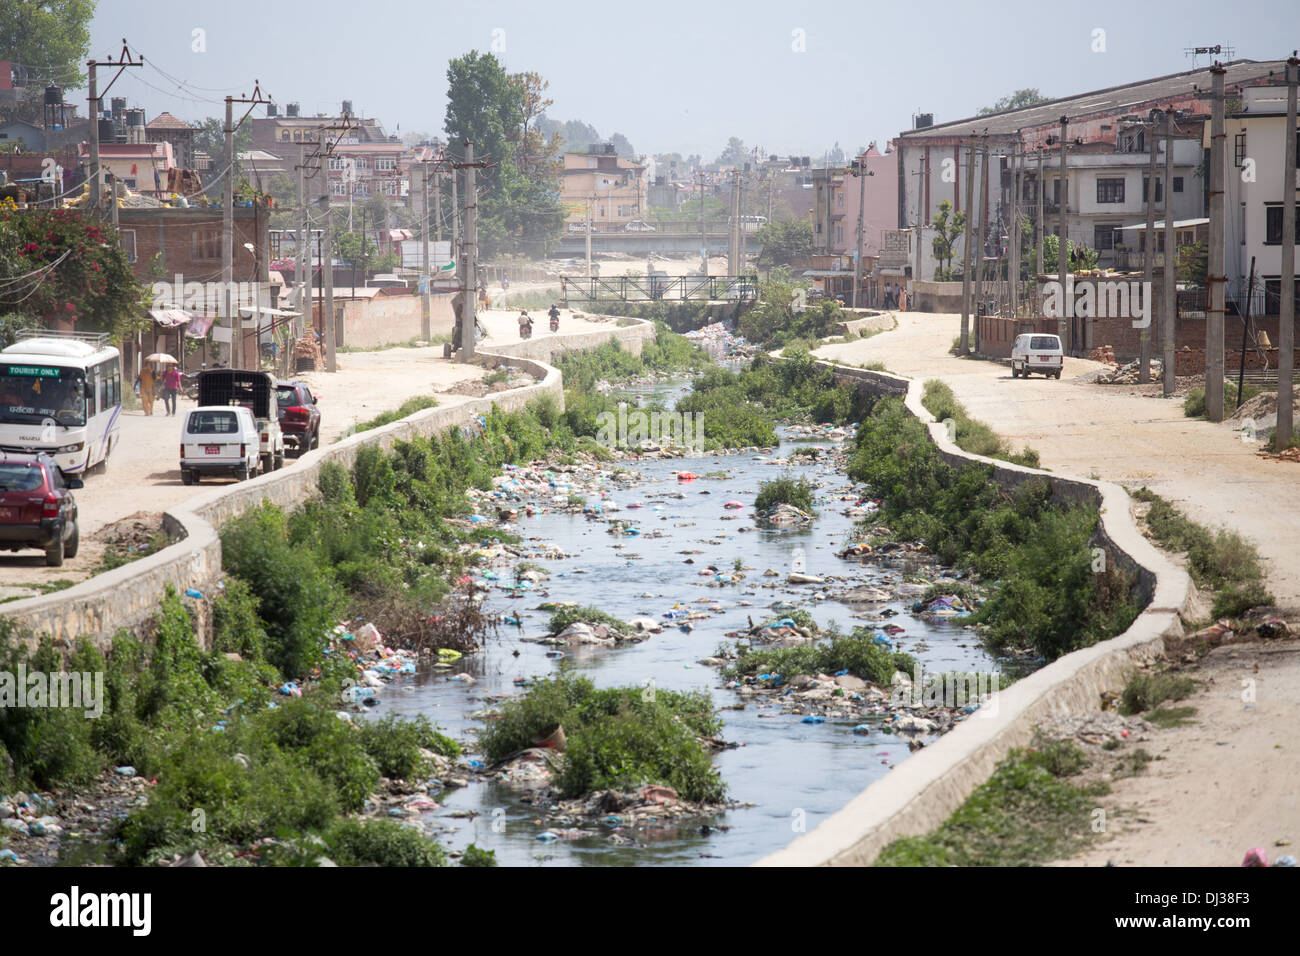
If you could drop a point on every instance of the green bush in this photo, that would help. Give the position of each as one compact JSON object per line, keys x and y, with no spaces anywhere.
{"x":1145,"y":692}
{"x":857,"y":653}
{"x":381,"y":843}
{"x":295,"y":589}
{"x":395,"y":744}
{"x":785,"y":490}
{"x":562,"y":617}
{"x":477,"y":856}
{"x":617,"y":737}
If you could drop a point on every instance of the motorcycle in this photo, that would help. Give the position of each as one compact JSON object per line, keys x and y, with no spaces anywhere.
{"x":555,"y":323}
{"x":526,"y":330}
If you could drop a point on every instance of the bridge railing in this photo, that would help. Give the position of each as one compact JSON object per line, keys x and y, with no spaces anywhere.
{"x":741,"y":288}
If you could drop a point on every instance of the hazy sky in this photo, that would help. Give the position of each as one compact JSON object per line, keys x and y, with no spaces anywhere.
{"x":786,"y":76}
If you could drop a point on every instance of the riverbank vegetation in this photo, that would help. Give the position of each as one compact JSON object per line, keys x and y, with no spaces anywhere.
{"x":1052,"y":590}
{"x":970,"y":434}
{"x":1218,"y":560}
{"x":1028,"y":813}
{"x":785,"y":491}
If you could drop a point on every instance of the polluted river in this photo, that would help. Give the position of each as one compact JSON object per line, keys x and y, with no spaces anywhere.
{"x":784,"y":775}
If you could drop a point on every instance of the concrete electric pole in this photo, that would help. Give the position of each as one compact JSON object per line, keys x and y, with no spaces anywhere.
{"x":963,"y":346}
{"x":1214,"y":277}
{"x":1149,"y":251}
{"x":1170,"y":290}
{"x":1286,"y":309}
{"x":1062,"y":251}
{"x":470,"y":300}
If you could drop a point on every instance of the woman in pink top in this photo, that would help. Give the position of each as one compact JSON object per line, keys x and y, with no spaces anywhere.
{"x":171,"y":385}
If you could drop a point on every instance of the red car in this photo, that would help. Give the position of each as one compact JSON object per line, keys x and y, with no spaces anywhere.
{"x":299,"y":415}
{"x":37,"y":509}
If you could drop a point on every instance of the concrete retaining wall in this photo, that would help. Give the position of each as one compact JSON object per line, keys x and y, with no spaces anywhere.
{"x":923,"y":791}
{"x":128,"y":596}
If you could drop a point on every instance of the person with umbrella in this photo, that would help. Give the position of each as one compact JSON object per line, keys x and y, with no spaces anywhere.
{"x":171,"y":385}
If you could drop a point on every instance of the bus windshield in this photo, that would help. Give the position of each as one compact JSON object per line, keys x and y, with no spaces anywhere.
{"x":30,"y":394}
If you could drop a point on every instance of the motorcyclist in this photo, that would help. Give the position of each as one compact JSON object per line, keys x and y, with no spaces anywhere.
{"x":505,"y":280}
{"x":555,"y":318}
{"x":525,"y":324}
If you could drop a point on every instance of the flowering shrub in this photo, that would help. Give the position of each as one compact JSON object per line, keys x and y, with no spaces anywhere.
{"x":70,"y":265}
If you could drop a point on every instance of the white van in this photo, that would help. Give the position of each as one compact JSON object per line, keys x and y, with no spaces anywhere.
{"x":1036,"y":352}
{"x":219,"y":440}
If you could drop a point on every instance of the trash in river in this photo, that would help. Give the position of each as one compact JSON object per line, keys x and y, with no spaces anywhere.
{"x":124,"y":771}
{"x":786,"y":516}
{"x":733,"y":504}
{"x":1272,"y":627}
{"x":813,"y":720}
{"x":1220,"y":630}
{"x":1256,"y":856}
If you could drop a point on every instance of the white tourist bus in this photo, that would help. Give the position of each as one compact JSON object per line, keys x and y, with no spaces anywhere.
{"x":61,"y":393}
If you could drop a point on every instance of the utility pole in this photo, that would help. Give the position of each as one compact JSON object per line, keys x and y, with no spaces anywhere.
{"x":589,"y":204}
{"x":95,"y":102}
{"x":733,"y":245}
{"x":860,"y":166}
{"x":1170,"y":292}
{"x":704,"y":239}
{"x":426,"y":306}
{"x":963,"y":346}
{"x":1038,"y":268}
{"x":471,"y":257}
{"x":302,"y":267}
{"x":228,"y":223}
{"x":1148,"y":260}
{"x":1214,"y":277}
{"x":455,"y":219}
{"x":1286,"y":311}
{"x":983,"y":240}
{"x":1013,"y":234}
{"x":1062,"y":255}
{"x":327,"y":263}
{"x":437,"y":203}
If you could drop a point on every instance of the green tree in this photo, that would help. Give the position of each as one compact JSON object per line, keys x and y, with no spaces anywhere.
{"x":1082,"y":258}
{"x":1192,"y":263}
{"x":1015,"y":101}
{"x":51,"y":39}
{"x":784,"y":242}
{"x":949,"y":226}
{"x":211,"y":139}
{"x":519,"y":209}
{"x":735,"y":154}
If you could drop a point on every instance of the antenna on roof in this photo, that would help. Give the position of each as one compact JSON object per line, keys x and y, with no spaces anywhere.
{"x":1217,"y":50}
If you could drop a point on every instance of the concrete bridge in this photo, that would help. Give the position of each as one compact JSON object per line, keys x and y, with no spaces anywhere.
{"x":675,"y":244}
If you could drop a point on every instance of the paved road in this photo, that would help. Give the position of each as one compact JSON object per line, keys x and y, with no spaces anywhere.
{"x":1126,"y":434}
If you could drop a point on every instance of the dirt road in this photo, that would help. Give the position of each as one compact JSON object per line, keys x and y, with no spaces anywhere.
{"x":143,"y":474}
{"x":1228,"y":780}
{"x":1112,"y":432}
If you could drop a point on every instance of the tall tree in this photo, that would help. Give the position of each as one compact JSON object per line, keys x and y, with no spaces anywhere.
{"x":948,"y":227}
{"x":519,"y":211}
{"x":1015,"y":101}
{"x":50,"y":39}
{"x":735,"y":153}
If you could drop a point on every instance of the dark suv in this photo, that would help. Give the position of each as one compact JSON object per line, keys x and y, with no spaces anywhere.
{"x":299,"y":415}
{"x":37,"y":509}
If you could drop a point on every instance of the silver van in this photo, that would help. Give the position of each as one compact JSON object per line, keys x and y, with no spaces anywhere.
{"x":1036,"y":352}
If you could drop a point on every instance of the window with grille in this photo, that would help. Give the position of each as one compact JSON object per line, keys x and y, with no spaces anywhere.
{"x":1239,"y":150}
{"x":205,"y":243}
{"x":1103,"y":237}
{"x":1111,"y":190}
{"x":1273,"y":225}
{"x":1160,"y":188}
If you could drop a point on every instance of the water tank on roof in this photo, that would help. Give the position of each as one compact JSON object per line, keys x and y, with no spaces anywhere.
{"x":347,"y":107}
{"x":106,"y":132}
{"x":922,"y":120}
{"x":272,"y":109}
{"x":291,"y":110}
{"x":119,"y":107}
{"x":53,"y":95}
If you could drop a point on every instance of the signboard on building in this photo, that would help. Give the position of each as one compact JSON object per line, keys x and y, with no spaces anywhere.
{"x":896,"y":248}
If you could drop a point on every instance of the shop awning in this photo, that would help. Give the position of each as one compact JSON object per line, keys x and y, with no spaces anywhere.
{"x":170,"y":318}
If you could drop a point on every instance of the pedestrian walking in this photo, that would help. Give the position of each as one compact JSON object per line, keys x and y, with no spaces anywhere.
{"x":171,"y":385}
{"x":147,"y":382}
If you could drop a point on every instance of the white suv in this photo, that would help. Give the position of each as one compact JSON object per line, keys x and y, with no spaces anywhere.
{"x":1036,"y":352}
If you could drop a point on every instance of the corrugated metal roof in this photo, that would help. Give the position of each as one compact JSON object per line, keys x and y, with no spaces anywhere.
{"x":1112,"y":99}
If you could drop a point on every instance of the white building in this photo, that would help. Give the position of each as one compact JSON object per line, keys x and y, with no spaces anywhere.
{"x":1254,"y":188}
{"x":1106,"y":156}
